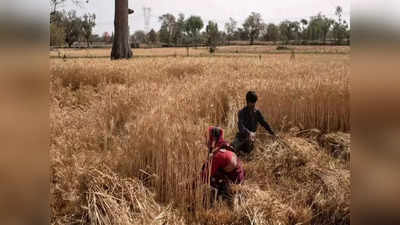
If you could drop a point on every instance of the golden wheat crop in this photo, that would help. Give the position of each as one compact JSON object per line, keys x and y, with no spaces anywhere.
{"x":126,"y":141}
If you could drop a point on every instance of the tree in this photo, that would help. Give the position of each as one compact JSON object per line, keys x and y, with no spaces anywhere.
{"x":57,"y":17}
{"x":326,"y":25}
{"x":179,"y":30}
{"x":340,"y":27}
{"x":272,"y":33}
{"x":192,"y":27}
{"x":72,"y":27}
{"x":121,"y":48}
{"x":223,"y":37}
{"x":295,"y":28}
{"x":57,"y":29}
{"x":57,"y":35}
{"x":87,"y":26}
{"x":212,"y":35}
{"x":286,"y":32}
{"x":164,"y":35}
{"x":56,"y":4}
{"x":253,"y":25}
{"x":168,"y":26}
{"x":303,"y":29}
{"x":140,"y":36}
{"x":242,"y":34}
{"x":152,"y":37}
{"x":230,"y":28}
{"x":263,"y":32}
{"x":319,"y":27}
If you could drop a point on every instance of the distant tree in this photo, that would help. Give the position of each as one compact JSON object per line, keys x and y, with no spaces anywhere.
{"x":57,"y":29}
{"x":89,"y":21}
{"x":57,"y":17}
{"x":296,"y":30}
{"x":55,"y":6}
{"x":164,"y":35}
{"x":192,"y":27}
{"x":303,"y":28}
{"x":272,"y":33}
{"x":140,"y":36}
{"x":313,"y":29}
{"x":263,"y":32}
{"x":340,"y":27}
{"x":326,"y":25}
{"x":212,"y":35}
{"x":319,"y":27}
{"x":286,"y":32}
{"x":179,"y":30}
{"x":253,"y":26}
{"x":223,"y":38}
{"x":242,"y":34}
{"x":152,"y":37}
{"x":230,"y":28}
{"x":57,"y":35}
{"x":203,"y":38}
{"x":72,"y":28}
{"x":167,"y":30}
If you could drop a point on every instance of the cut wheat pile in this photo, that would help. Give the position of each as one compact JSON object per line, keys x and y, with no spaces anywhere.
{"x":127,"y":135}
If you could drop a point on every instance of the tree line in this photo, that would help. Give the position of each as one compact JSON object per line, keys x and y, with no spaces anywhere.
{"x":181,"y":31}
{"x":67,"y":27}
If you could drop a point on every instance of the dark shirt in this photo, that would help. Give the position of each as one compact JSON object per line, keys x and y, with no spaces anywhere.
{"x":248,"y":121}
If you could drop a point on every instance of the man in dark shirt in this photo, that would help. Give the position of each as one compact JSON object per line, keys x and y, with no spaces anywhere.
{"x":248,"y":119}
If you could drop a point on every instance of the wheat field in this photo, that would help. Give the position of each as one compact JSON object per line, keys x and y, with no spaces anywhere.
{"x":127,"y":139}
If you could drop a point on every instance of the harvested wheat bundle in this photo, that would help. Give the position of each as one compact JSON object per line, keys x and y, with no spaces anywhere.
{"x":259,"y":206}
{"x":114,"y":200}
{"x":338,"y":144}
{"x":307,"y":133}
{"x":314,"y":186}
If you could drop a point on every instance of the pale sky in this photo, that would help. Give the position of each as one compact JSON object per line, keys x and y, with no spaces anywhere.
{"x":216,"y":10}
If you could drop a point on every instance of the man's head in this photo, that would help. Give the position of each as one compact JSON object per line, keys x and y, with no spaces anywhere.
{"x":251,"y":99}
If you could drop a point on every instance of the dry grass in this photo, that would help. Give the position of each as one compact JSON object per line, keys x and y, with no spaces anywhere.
{"x":139,"y":52}
{"x":127,"y":140}
{"x":203,"y":51}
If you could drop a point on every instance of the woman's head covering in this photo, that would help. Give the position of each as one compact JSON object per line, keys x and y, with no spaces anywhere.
{"x":215,"y":138}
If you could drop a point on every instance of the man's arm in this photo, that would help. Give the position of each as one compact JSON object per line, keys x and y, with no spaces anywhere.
{"x":242,"y":128}
{"x":261,"y":120}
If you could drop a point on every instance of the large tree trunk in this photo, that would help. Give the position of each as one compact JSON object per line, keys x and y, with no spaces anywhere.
{"x":121,"y":48}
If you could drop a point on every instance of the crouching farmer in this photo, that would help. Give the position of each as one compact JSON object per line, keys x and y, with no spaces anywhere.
{"x":223,"y":166}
